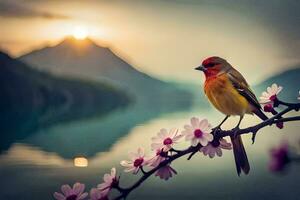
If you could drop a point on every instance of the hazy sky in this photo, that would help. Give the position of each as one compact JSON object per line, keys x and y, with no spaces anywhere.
{"x":165,"y":38}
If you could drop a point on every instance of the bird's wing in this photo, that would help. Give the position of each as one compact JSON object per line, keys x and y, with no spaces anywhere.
{"x":239,"y":82}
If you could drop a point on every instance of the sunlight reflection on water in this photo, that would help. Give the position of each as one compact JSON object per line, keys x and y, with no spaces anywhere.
{"x":81,"y":162}
{"x":56,"y":170}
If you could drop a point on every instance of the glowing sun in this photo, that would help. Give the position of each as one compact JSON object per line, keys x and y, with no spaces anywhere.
{"x":80,"y":33}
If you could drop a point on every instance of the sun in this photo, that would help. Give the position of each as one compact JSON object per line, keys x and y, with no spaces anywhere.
{"x":80,"y":33}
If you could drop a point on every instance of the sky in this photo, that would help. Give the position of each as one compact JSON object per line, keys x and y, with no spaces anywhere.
{"x":164,"y":38}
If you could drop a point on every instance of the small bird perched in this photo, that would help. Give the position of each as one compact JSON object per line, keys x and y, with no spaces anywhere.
{"x":230,"y":93}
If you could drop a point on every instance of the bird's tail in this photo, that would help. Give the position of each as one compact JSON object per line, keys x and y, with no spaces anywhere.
{"x":240,"y":156}
{"x":260,"y":114}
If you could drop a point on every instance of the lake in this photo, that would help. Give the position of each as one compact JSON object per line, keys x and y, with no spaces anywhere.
{"x":36,"y":166}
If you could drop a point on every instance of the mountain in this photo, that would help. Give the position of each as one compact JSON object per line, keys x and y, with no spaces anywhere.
{"x":289,"y":80}
{"x":87,"y":60}
{"x":30,"y":99}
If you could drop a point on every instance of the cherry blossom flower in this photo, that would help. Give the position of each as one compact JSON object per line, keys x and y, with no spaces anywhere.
{"x":279,"y":157}
{"x":268,"y":97}
{"x":109,"y":181}
{"x":97,"y":194}
{"x":165,"y":140}
{"x":215,"y":148}
{"x":137,"y":160}
{"x":165,"y":172}
{"x":198,"y":132}
{"x":157,"y":158}
{"x":68,"y":193}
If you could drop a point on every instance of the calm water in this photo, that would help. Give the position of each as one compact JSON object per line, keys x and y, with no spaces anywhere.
{"x":35,"y":167}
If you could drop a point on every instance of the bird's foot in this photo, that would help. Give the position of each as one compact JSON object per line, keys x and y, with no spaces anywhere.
{"x":216,"y":130}
{"x":235,"y":131}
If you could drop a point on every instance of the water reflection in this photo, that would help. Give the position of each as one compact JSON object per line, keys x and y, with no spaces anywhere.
{"x":200,"y":176}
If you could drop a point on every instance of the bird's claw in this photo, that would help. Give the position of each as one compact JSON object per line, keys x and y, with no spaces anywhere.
{"x":216,"y":130}
{"x":235,"y":132}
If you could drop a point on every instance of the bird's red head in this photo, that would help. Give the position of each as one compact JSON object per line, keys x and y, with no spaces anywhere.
{"x":212,"y":66}
{"x":209,"y":61}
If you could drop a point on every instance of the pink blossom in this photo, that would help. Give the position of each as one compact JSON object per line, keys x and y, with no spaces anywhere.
{"x":156,"y":159}
{"x":165,"y":140}
{"x":198,"y":132}
{"x":97,"y":194}
{"x":109,"y":181}
{"x":299,"y":96}
{"x":137,"y":160}
{"x":215,"y":148}
{"x":279,"y":157}
{"x":68,"y":193}
{"x":269,"y":96}
{"x":165,"y":172}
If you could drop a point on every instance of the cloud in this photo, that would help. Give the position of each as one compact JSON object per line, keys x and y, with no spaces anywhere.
{"x":14,"y":10}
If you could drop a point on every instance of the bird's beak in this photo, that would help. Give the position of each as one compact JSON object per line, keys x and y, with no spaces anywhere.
{"x":201,"y":68}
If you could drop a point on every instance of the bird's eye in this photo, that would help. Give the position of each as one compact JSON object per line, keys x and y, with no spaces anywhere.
{"x":210,"y":65}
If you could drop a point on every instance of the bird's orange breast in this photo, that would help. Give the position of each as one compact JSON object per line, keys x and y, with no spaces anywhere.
{"x":222,"y":94}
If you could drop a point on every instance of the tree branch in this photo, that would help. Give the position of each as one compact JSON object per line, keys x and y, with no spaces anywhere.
{"x":124,"y":192}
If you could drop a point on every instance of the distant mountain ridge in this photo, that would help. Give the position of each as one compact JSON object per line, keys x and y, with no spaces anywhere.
{"x":85,"y":59}
{"x":30,"y":98}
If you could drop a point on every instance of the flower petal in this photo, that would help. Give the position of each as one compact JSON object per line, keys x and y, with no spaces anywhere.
{"x":211,"y":154}
{"x":195,"y":142}
{"x":209,"y":137}
{"x":172,"y":132}
{"x":189,"y":136}
{"x":195,"y":122}
{"x":66,"y":189}
{"x":130,"y":169}
{"x":203,"y":124}
{"x":78,"y":188}
{"x":279,"y":89}
{"x":203,"y":141}
{"x":107,"y":178}
{"x":219,"y":152}
{"x":270,"y":90}
{"x":83,"y":196}
{"x":59,"y":196}
{"x":95,"y":194}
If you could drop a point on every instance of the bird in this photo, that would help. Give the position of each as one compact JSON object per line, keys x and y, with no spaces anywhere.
{"x":229,"y":92}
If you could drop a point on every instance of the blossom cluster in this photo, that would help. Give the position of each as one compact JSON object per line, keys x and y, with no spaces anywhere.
{"x":269,"y":100}
{"x":198,"y":132}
